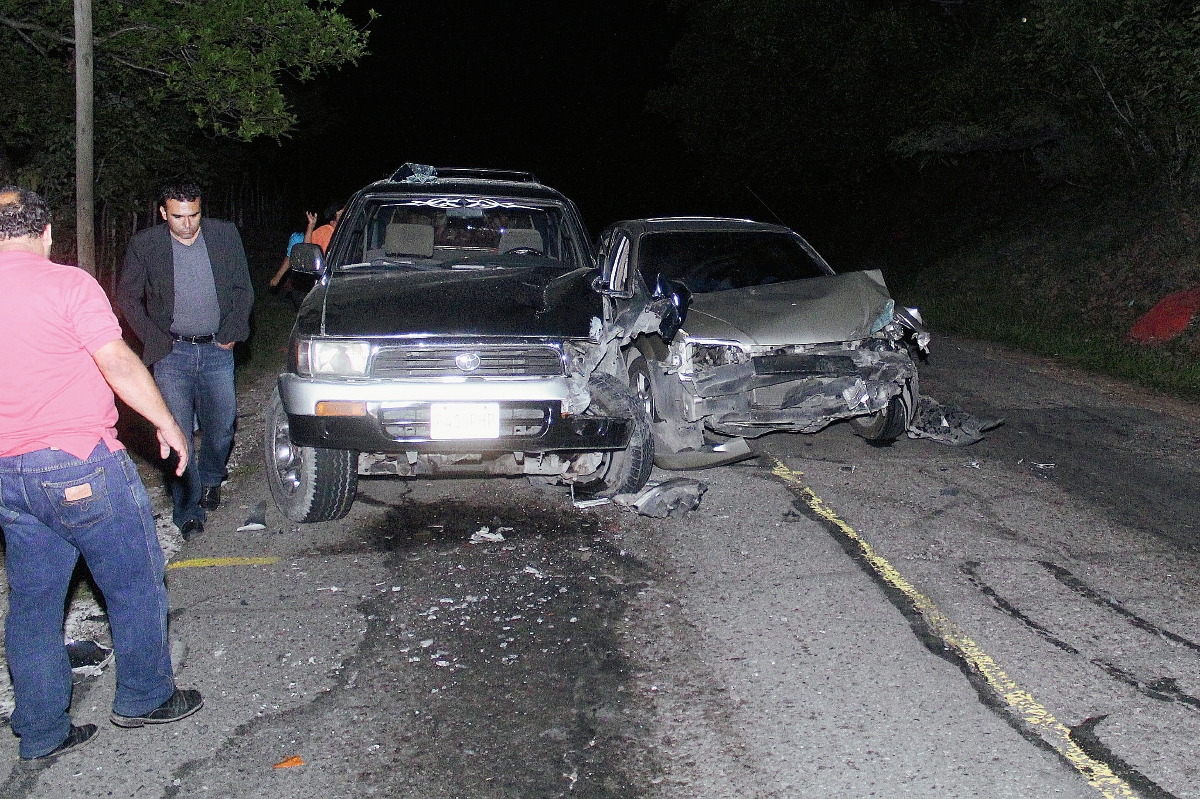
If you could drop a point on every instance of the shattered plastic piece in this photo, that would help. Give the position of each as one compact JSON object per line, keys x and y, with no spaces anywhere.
{"x":87,"y":658}
{"x":948,"y":424}
{"x":972,"y":465}
{"x":257,"y":520}
{"x":583,"y":504}
{"x":291,"y":762}
{"x":485,"y":536}
{"x":674,"y":497}
{"x":534,"y":572}
{"x":1043,"y":466}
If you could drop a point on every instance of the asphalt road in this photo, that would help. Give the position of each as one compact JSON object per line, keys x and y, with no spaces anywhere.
{"x":1016,"y":618}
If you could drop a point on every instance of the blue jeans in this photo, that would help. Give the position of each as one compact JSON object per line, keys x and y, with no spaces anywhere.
{"x":54,"y":507}
{"x":196,"y":380}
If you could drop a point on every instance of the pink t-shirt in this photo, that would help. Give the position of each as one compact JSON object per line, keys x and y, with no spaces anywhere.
{"x":52,"y":394}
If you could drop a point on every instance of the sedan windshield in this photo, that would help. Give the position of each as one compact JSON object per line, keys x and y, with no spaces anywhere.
{"x":435,"y":232}
{"x":708,"y":261}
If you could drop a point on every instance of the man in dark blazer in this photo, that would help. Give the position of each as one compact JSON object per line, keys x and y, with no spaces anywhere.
{"x":186,"y":293}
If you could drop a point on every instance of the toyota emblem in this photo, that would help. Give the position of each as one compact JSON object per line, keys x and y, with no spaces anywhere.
{"x":467,"y":361}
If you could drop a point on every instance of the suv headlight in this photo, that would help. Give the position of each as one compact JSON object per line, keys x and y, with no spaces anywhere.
{"x":340,"y":358}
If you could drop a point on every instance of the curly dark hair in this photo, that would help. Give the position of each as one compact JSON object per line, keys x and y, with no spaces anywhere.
{"x":184,"y":191}
{"x":22,"y":213}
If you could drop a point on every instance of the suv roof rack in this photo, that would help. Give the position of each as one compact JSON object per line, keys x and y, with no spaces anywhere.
{"x":420,"y":173}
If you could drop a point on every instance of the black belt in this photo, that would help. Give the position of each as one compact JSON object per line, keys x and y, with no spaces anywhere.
{"x":211,"y":338}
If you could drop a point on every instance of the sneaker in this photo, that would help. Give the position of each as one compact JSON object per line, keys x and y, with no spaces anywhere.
{"x":76,"y":738}
{"x":191,"y":528}
{"x":179,"y":705}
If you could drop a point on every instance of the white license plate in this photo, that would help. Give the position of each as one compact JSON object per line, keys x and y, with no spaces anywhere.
{"x":450,"y":420}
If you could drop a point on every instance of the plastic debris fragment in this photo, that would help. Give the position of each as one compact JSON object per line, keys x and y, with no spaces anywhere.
{"x":291,"y":762}
{"x":257,"y":520}
{"x":87,"y":658}
{"x":948,"y":424}
{"x":674,"y":497}
{"x":484,"y":535}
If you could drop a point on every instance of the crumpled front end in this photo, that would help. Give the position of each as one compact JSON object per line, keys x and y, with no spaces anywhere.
{"x":749,"y":392}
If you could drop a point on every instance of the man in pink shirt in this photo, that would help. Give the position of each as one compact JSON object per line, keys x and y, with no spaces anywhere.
{"x":68,"y":488}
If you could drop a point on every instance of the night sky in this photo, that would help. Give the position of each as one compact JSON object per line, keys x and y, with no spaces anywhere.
{"x":555,"y":88}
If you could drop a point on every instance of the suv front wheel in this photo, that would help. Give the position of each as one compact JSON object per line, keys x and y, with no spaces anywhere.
{"x":309,"y":484}
{"x":622,"y":471}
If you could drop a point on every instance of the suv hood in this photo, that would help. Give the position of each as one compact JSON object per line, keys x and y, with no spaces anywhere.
{"x":816,"y":310}
{"x":526,"y":301}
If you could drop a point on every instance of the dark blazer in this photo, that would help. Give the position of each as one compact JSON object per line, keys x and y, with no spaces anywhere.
{"x":146,"y":289}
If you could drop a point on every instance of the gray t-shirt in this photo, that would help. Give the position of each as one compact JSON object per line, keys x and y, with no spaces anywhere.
{"x":197,"y":311}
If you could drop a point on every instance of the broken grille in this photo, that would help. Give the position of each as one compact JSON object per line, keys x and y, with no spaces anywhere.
{"x":806,"y":365}
{"x":411,"y":422}
{"x":424,"y":362}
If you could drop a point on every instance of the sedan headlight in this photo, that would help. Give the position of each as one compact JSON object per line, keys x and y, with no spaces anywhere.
{"x":905,"y":323}
{"x":315,"y":357}
{"x":709,"y":354}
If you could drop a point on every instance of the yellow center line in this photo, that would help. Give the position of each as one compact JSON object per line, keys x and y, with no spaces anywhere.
{"x":1099,"y":775}
{"x":203,"y":563}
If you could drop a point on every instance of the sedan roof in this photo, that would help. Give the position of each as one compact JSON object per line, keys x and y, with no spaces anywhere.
{"x":680,"y":224}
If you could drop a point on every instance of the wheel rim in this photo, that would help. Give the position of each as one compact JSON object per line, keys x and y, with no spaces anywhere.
{"x":641,"y":389}
{"x":285,"y":457}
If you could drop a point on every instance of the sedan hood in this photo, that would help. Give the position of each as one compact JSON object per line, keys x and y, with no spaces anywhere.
{"x":817,"y":310}
{"x":526,"y":301}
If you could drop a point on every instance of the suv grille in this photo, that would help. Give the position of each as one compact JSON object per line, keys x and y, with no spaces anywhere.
{"x":418,"y":362}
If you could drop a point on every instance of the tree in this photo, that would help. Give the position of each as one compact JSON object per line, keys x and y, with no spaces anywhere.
{"x":165,"y":70}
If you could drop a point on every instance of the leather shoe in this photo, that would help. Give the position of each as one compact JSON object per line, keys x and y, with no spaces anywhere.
{"x":77,"y":737}
{"x":191,"y":528}
{"x":179,"y":705}
{"x":210,"y":497}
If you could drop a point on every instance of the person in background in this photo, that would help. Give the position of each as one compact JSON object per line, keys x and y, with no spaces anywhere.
{"x":68,"y":488}
{"x":322,"y":235}
{"x":297,"y":286}
{"x":186,"y":292}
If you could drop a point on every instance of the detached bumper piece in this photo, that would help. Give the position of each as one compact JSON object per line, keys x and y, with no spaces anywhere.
{"x":405,"y":427}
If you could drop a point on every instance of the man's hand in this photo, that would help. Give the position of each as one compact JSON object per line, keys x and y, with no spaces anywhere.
{"x":172,"y":439}
{"x":228,"y":346}
{"x":131,"y":381}
{"x":312,"y":219}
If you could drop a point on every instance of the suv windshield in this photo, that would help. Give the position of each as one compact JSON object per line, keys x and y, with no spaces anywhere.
{"x":708,"y":261}
{"x":442,"y":230}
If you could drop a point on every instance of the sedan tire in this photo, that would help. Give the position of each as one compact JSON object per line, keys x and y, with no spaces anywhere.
{"x":309,"y":484}
{"x":883,"y":427}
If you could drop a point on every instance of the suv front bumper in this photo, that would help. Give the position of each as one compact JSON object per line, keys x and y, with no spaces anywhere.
{"x":397,"y":416}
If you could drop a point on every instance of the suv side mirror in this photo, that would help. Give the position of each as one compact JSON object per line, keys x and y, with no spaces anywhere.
{"x":679,"y":297}
{"x":308,"y":259}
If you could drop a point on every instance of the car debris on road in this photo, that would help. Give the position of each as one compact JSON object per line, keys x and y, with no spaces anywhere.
{"x":675,"y":497}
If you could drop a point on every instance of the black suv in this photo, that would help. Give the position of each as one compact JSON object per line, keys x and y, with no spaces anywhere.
{"x":456,"y":327}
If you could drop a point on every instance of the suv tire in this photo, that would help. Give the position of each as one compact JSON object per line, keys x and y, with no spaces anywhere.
{"x":622,"y":471}
{"x":309,"y":484}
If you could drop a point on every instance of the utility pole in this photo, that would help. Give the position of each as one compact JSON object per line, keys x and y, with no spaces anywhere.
{"x":85,"y":195}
